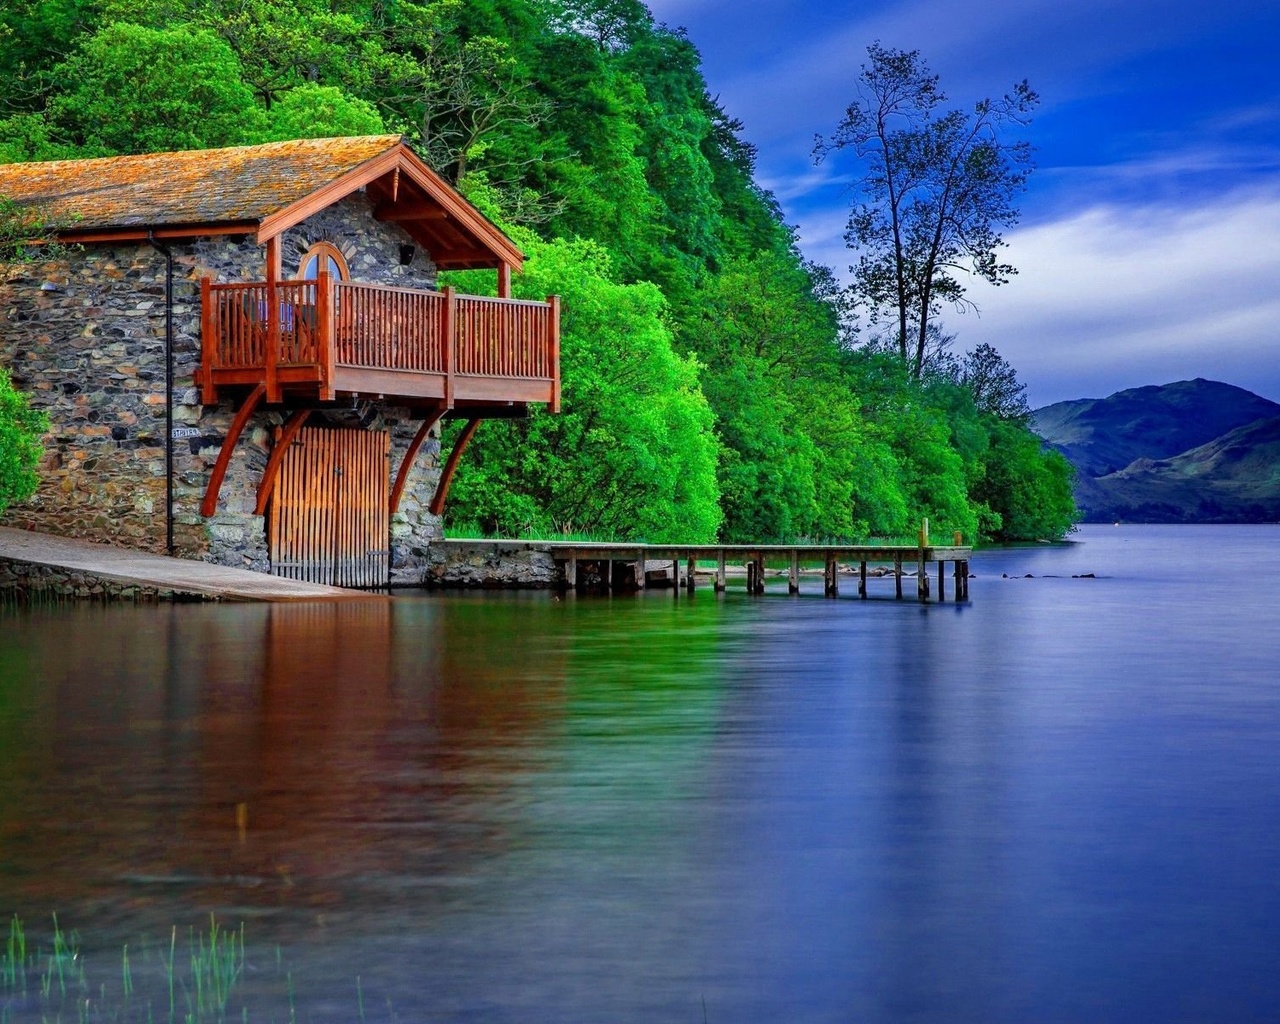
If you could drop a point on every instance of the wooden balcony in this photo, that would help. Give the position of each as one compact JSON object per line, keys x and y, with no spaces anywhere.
{"x":327,"y":339}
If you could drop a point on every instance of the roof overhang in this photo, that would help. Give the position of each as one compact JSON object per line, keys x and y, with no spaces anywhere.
{"x":457,"y":235}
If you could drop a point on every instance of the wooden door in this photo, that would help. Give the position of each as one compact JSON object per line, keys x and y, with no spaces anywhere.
{"x":329,"y":520}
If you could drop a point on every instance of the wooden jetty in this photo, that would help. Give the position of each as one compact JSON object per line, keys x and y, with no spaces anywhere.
{"x":613,"y":566}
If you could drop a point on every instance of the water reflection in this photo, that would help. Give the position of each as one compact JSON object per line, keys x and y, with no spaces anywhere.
{"x":512,"y":808}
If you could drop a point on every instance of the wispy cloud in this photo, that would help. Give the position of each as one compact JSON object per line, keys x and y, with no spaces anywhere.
{"x":1117,"y":296}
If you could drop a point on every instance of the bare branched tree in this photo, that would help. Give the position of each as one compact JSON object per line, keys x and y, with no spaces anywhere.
{"x":934,"y":192}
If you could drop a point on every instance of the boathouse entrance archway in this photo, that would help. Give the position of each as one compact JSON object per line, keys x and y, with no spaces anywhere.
{"x":330,"y":508}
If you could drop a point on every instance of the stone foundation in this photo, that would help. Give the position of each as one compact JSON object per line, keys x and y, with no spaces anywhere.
{"x":522,"y":566}
{"x":31,"y":583}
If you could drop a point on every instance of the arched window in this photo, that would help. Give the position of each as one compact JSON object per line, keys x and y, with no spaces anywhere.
{"x":322,"y":256}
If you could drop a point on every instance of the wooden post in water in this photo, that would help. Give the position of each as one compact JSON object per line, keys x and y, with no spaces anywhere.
{"x":689,"y":572}
{"x":922,"y":570}
{"x":862,"y":579}
{"x":897,"y":576}
{"x":640,"y":573}
{"x":759,"y":574}
{"x":959,"y":581}
{"x":675,"y":576}
{"x":751,"y":576}
{"x":942,"y":580}
{"x":571,"y":575}
{"x":793,"y":575}
{"x":719,"y":584}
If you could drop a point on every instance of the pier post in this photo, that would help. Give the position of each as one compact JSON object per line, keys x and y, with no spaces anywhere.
{"x":959,"y":588}
{"x":675,"y":576}
{"x":897,"y":576}
{"x":922,"y":579}
{"x":640,"y":573}
{"x":751,"y":576}
{"x":571,"y":575}
{"x":793,"y":576}
{"x":942,"y":580}
{"x":832,"y":575}
{"x":862,"y":580}
{"x":719,"y":584}
{"x":690,"y":571}
{"x":759,"y":574}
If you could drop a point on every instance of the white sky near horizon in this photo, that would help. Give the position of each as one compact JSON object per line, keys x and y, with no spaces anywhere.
{"x":1149,"y":248}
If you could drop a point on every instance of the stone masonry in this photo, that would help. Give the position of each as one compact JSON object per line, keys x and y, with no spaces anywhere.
{"x":85,"y":337}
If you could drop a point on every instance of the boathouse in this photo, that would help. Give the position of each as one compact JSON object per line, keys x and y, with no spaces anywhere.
{"x":246,"y":359}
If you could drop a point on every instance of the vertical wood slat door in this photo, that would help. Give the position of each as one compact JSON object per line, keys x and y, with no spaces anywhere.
{"x":330,"y":509}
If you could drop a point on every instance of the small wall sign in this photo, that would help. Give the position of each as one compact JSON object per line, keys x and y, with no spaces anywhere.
{"x":178,"y":433}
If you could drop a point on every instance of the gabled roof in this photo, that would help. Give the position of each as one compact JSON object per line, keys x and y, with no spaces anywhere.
{"x":260,"y":190}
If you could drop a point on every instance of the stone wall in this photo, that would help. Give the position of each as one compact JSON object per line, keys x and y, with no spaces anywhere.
{"x":85,"y":336}
{"x":521,"y":565}
{"x":27,"y":582}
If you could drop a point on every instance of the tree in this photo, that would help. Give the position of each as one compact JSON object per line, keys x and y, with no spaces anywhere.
{"x":132,"y":89}
{"x":20,"y":446}
{"x":313,"y":111}
{"x":935,"y":189}
{"x":994,"y":384}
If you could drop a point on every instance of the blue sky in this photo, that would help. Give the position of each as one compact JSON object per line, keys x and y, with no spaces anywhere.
{"x":1149,"y":247}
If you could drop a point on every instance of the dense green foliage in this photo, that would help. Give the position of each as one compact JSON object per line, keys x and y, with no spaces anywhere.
{"x":21,"y":428}
{"x":710,"y":384}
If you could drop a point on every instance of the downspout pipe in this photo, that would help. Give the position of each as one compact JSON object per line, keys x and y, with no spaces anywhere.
{"x":167,"y":253}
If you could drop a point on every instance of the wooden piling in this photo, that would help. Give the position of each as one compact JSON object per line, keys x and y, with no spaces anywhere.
{"x":759,"y":574}
{"x":942,"y":580}
{"x":640,"y":573}
{"x":897,"y":576}
{"x":719,"y":585}
{"x":690,"y":573}
{"x":862,"y":580}
{"x":793,"y":576}
{"x":571,"y":575}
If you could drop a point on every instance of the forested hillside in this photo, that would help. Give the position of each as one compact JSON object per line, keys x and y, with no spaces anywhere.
{"x":712,"y":383}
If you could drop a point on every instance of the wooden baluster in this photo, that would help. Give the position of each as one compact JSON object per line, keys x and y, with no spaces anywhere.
{"x":553,"y":350}
{"x":448,"y":342}
{"x":328,"y":340}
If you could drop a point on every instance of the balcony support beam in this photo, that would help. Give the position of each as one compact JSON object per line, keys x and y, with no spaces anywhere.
{"x":406,"y":464}
{"x":210,"y":504}
{"x":450,"y":467}
{"x":284,"y":438}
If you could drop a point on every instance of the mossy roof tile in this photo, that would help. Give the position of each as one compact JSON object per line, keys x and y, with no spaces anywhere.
{"x":210,"y":186}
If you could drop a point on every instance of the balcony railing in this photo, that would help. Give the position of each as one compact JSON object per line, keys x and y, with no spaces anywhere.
{"x":339,"y":336}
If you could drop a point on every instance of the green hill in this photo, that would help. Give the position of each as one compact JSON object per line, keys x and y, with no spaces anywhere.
{"x":1191,"y":451}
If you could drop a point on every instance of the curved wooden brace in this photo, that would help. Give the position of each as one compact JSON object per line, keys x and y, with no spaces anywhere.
{"x":406,"y":464}
{"x":210,"y":504}
{"x":450,"y":467}
{"x":268,"y":482}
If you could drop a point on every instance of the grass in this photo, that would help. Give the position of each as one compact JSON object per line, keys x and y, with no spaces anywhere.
{"x":473,"y":531}
{"x":200,"y":984}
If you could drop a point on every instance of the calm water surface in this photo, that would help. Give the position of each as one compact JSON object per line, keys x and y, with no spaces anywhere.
{"x":1060,"y":802}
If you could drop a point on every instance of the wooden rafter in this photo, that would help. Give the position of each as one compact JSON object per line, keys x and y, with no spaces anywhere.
{"x":409,"y":211}
{"x":451,"y":466}
{"x":406,"y":464}
{"x":210,"y":504}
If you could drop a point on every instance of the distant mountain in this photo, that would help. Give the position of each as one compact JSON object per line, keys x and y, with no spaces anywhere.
{"x":1192,"y":451}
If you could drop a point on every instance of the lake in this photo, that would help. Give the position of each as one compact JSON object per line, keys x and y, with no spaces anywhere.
{"x":1059,"y":802}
